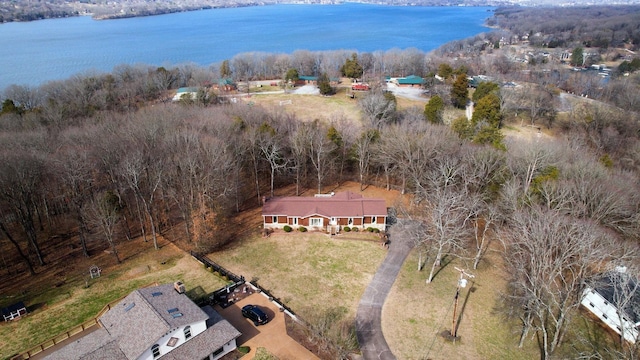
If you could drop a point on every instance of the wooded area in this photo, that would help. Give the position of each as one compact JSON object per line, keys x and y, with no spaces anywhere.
{"x":105,"y":157}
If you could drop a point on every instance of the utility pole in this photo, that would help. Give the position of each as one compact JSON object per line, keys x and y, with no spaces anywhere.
{"x":462,"y":282}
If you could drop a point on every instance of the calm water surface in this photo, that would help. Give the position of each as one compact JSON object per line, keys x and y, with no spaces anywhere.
{"x":36,"y":52}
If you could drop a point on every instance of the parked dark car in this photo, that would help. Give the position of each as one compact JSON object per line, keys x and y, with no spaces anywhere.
{"x":255,"y":314}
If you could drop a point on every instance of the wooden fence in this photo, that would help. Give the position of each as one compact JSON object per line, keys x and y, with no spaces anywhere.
{"x":71,"y":332}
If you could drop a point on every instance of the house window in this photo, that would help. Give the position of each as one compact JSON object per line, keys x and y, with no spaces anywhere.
{"x":315,"y":221}
{"x":294,"y":221}
{"x":333,"y":221}
{"x":374,"y":219}
{"x":187,"y":332}
{"x":606,"y":303}
{"x":218,"y":352}
{"x":155,"y":350}
{"x":591,"y":304}
{"x":274,"y":219}
{"x":350,"y":221}
{"x":605,"y":316}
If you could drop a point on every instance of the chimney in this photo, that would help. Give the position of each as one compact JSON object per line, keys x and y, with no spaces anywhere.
{"x":179,"y":286}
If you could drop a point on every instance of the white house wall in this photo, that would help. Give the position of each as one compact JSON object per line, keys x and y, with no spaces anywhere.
{"x":228,"y":347}
{"x":196,"y":328}
{"x":608,"y":314}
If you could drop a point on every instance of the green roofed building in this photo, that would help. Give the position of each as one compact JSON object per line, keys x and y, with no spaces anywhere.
{"x":409,"y":81}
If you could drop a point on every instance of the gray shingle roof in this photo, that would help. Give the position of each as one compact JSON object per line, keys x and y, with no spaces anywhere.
{"x":140,"y":319}
{"x":95,"y":345}
{"x":142,"y":310}
{"x":218,"y":333}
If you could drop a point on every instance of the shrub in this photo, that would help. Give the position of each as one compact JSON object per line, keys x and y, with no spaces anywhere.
{"x":370,"y":229}
{"x":346,"y":229}
{"x":244,"y":349}
{"x":355,"y":229}
{"x":287,"y":228}
{"x":302,"y":229}
{"x":376,"y":230}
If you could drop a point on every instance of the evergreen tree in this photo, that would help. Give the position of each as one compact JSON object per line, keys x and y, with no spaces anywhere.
{"x":485,"y":88}
{"x":351,"y":68}
{"x":459,"y":92}
{"x":292,"y":75}
{"x":462,"y":127}
{"x":9,"y":107}
{"x":488,"y":110}
{"x":225,"y":69}
{"x":445,"y":71}
{"x":577,"y":57}
{"x":434,"y":109}
{"x":324,"y":84}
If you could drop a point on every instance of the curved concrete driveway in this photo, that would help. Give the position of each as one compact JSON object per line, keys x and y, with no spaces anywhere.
{"x":368,"y":318}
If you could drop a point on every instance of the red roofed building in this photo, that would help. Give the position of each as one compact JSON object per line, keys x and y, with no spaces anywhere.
{"x":328,"y":212}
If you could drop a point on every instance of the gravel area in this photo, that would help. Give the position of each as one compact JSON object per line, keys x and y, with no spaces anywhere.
{"x":307,"y":90}
{"x":407,"y":92}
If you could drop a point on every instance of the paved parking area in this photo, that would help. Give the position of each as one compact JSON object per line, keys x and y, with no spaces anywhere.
{"x":272,"y":336}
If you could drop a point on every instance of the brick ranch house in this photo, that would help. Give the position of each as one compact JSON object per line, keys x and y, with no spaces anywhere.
{"x":325,"y":212}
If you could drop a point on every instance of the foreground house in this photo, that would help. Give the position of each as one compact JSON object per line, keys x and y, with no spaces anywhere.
{"x":330,"y":212}
{"x":155,"y":322}
{"x":614,"y":298}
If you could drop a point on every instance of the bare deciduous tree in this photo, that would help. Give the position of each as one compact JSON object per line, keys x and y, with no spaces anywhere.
{"x":378,"y":110}
{"x":21,"y":175}
{"x":447,"y":222}
{"x":319,"y":149}
{"x":363,"y":153}
{"x":299,"y":140}
{"x":73,"y":165}
{"x":104,"y":212}
{"x":549,"y":256}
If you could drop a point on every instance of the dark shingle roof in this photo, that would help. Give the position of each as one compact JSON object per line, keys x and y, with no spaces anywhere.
{"x":14,"y":307}
{"x":620,"y":289}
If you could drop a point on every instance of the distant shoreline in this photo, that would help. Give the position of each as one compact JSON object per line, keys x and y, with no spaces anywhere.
{"x":99,"y":12}
{"x":170,"y":11}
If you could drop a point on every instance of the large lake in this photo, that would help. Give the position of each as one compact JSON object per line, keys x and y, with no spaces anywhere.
{"x":36,"y":52}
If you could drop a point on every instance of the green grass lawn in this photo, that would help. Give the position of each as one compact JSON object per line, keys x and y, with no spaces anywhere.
{"x":62,"y":308}
{"x":416,"y":314}
{"x":309,"y":272}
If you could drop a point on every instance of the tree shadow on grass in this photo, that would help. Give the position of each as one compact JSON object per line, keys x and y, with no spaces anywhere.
{"x":446,"y":260}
